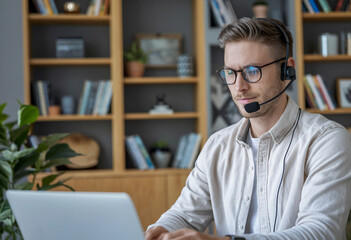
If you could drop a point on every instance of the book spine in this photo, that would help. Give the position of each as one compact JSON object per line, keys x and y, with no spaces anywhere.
{"x":48,"y":7}
{"x":325,"y":92}
{"x":42,"y":7}
{"x":180,"y":151}
{"x":188,"y":150}
{"x":233,"y":16}
{"x":145,"y":153}
{"x":316,"y":94}
{"x":216,"y":13}
{"x":319,"y":87}
{"x":308,"y":6}
{"x":195,"y":151}
{"x":131,"y":154}
{"x":35,"y":96}
{"x":140,"y":160}
{"x":339,"y":5}
{"x":325,"y":5}
{"x":349,"y":43}
{"x":53,"y":6}
{"x":107,"y":5}
{"x":314,"y":6}
{"x":92,"y":97}
{"x":223,"y":11}
{"x":108,"y":98}
{"x":309,"y":95}
{"x":42,"y":98}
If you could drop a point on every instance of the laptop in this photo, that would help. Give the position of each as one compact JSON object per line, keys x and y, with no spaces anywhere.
{"x":75,"y":215}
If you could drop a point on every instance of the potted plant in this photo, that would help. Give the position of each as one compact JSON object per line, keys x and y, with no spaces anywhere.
{"x":20,"y":164}
{"x":135,"y":60}
{"x":260,"y":9}
{"x":161,"y":154}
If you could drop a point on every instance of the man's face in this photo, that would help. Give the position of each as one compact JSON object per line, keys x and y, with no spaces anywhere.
{"x":244,"y":53}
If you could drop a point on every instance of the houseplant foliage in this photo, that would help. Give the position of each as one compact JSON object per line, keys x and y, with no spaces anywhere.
{"x":135,"y":59}
{"x":19,"y":163}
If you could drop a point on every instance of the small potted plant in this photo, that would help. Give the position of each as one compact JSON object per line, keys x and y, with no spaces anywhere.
{"x":161,"y":154}
{"x":260,"y":9}
{"x":135,"y":60}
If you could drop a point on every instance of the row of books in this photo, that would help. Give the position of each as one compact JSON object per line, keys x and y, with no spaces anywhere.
{"x":42,"y":96}
{"x":223,"y":12}
{"x":316,"y":6}
{"x":95,"y":97}
{"x":317,"y":94}
{"x":46,"y":7}
{"x":187,"y":151}
{"x":138,"y":153}
{"x":98,"y":7}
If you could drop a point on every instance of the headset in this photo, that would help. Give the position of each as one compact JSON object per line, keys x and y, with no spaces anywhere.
{"x":287,"y":72}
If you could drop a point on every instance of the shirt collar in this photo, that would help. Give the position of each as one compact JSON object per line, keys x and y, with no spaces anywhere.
{"x":279,"y":130}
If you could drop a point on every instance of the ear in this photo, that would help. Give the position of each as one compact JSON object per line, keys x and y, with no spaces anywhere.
{"x":291,"y":62}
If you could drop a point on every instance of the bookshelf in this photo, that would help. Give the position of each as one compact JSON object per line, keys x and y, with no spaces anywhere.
{"x":153,"y":191}
{"x":308,"y":27}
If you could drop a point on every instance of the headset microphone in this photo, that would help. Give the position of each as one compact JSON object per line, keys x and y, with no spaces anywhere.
{"x":255,"y":106}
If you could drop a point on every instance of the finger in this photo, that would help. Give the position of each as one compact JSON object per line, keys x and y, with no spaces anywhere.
{"x":154,"y":232}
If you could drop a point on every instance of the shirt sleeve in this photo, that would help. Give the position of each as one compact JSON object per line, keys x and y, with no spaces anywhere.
{"x":325,"y":200}
{"x":193,"y":207}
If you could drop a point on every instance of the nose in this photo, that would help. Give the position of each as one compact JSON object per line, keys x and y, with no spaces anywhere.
{"x":240,"y":85}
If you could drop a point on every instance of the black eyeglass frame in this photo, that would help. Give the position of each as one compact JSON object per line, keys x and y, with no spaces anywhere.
{"x":237,"y":71}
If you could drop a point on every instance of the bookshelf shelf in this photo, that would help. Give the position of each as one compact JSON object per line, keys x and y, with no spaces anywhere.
{"x":147,"y":116}
{"x":70,"y":61}
{"x":68,"y":19}
{"x":160,"y":80}
{"x":74,"y":118}
{"x":320,"y":58}
{"x":325,"y":17}
{"x":329,"y":112}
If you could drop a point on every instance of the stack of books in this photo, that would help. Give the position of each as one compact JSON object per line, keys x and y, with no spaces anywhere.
{"x":45,"y":7}
{"x":42,"y":96}
{"x":138,"y":152}
{"x":317,"y":94}
{"x":98,"y":7}
{"x":187,"y":151}
{"x":95,"y":97}
{"x":317,"y":6}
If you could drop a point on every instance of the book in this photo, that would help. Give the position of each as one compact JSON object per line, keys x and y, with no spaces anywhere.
{"x":48,"y":7}
{"x":190,"y":151}
{"x":107,"y":98}
{"x":217,"y":14}
{"x":230,"y":10}
{"x":106,"y":8}
{"x":314,"y":6}
{"x":145,"y":153}
{"x":325,"y":92}
{"x":316,"y":94}
{"x":308,"y":6}
{"x":42,"y":7}
{"x":309,"y":95}
{"x":43,"y":106}
{"x":339,"y":5}
{"x":180,"y":151}
{"x":91,"y":98}
{"x":195,"y":151}
{"x":325,"y":5}
{"x":84,"y":97}
{"x":135,"y":154}
{"x":35,"y":96}
{"x":53,"y":6}
{"x":223,"y":11}
{"x":349,"y":43}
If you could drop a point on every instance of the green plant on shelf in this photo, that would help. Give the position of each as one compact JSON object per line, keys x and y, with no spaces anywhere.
{"x":135,"y":53}
{"x":20,"y":164}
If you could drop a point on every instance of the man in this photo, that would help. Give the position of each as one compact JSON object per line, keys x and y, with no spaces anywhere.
{"x":280,"y":172}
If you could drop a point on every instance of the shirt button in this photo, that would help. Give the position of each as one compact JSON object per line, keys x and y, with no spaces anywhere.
{"x":251,"y":168}
{"x":247,"y":198}
{"x":241,"y":227}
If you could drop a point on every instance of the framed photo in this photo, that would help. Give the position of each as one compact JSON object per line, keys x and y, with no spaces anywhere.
{"x":343,"y":92}
{"x":162,"y":50}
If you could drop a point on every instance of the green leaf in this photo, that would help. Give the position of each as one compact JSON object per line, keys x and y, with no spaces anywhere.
{"x":12,"y":156}
{"x":5,"y":214}
{"x":26,"y":161}
{"x":19,"y":135}
{"x":46,"y":181}
{"x":20,"y":174}
{"x":24,"y":186}
{"x":58,"y":184}
{"x":50,"y":140}
{"x":3,"y":117}
{"x":60,"y":150}
{"x":27,"y":114}
{"x":10,"y":125}
{"x":56,"y":162}
{"x":5,"y":169}
{"x":2,"y":107}
{"x":3,"y":136}
{"x":4,"y":183}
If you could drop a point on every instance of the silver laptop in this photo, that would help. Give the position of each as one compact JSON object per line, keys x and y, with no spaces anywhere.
{"x":75,"y":215}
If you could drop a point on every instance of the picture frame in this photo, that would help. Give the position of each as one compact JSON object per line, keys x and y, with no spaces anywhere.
{"x":343,"y":92}
{"x":162,"y":50}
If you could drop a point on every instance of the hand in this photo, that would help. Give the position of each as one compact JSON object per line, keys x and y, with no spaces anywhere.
{"x":154,"y":233}
{"x":187,"y":234}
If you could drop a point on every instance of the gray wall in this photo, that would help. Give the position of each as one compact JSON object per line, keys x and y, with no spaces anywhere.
{"x":11,"y":55}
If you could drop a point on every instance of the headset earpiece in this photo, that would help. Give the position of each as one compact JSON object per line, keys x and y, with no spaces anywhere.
{"x":287,"y":73}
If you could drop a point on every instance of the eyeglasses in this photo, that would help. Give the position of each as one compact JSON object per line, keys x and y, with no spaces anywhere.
{"x":250,"y":73}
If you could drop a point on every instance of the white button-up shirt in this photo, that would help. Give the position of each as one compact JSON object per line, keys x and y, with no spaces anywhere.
{"x":315,"y":195}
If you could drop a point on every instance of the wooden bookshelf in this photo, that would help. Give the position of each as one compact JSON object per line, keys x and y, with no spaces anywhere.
{"x":303,"y":59}
{"x":164,"y":184}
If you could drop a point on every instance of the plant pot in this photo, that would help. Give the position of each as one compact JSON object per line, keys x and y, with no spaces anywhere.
{"x":161,"y":157}
{"x":135,"y":69}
